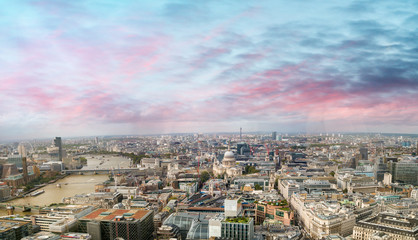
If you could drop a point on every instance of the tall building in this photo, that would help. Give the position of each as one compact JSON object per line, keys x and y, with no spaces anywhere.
{"x":364,"y":153}
{"x":243,"y":149}
{"x":25,"y":170}
{"x":404,"y":172}
{"x":21,"y":149}
{"x":273,"y":135}
{"x":380,"y":168}
{"x":58,"y":144}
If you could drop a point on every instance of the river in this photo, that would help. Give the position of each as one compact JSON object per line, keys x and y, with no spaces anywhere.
{"x":74,"y":184}
{"x":70,"y":186}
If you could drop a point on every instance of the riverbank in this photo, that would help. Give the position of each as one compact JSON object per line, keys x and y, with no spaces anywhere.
{"x":37,"y":187}
{"x":69,"y":186}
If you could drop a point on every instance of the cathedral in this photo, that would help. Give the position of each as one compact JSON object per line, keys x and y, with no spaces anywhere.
{"x":228,"y":166}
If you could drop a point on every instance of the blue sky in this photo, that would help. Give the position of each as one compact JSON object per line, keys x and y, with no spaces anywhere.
{"x":75,"y":68}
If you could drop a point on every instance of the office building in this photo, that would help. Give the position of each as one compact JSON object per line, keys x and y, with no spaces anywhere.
{"x":240,"y":228}
{"x":58,"y":144}
{"x":274,"y":210}
{"x":273,"y":135}
{"x":364,"y":154}
{"x":243,"y":149}
{"x":109,"y":224}
{"x":321,"y":219}
{"x":55,"y":224}
{"x":14,"y":230}
{"x":404,"y":172}
{"x":387,"y":226}
{"x":263,"y":182}
{"x":16,"y":160}
{"x":4,"y":191}
{"x":380,"y":168}
{"x":101,"y":199}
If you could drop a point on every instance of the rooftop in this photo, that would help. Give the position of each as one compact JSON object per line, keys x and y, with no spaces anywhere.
{"x":6,"y":225}
{"x":237,"y":220}
{"x":110,"y":214}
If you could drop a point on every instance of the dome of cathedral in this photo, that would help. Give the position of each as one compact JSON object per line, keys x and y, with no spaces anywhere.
{"x":229,"y":154}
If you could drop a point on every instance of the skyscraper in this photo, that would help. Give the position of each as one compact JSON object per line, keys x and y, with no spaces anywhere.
{"x":21,"y":149}
{"x":273,"y":135}
{"x":240,"y":133}
{"x":58,"y":143}
{"x":22,"y":152}
{"x":364,"y":154}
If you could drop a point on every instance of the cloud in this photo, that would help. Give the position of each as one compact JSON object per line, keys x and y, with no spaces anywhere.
{"x":86,"y":68}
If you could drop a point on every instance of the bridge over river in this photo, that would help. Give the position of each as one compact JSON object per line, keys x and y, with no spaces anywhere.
{"x":99,"y":171}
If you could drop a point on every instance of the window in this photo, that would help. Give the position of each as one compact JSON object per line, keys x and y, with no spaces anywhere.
{"x":279,"y":213}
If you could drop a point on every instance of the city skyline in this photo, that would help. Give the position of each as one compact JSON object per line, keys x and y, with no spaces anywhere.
{"x":145,"y":67}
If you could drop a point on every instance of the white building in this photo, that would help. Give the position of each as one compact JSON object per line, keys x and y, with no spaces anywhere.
{"x":288,"y":188}
{"x":232,"y":208}
{"x":321,"y":219}
{"x":228,"y":165}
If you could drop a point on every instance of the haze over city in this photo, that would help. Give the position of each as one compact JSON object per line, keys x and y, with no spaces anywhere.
{"x":76,"y":68}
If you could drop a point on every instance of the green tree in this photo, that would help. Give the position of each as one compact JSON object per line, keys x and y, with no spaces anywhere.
{"x":332,"y":173}
{"x":258,"y":187}
{"x":204,"y":176}
{"x":83,"y":161}
{"x":250,"y":170}
{"x":221,"y":176}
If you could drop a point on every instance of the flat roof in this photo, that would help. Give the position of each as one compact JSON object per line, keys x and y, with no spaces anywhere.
{"x":6,"y":224}
{"x":110,"y":214}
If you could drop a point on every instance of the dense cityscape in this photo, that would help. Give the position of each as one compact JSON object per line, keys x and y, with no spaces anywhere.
{"x":211,"y":186}
{"x":208,"y":120}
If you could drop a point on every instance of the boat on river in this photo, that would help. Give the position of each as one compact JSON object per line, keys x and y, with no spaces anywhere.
{"x":37,"y":193}
{"x":26,"y":209}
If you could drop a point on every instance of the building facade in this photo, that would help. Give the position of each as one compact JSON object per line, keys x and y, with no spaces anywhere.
{"x":109,"y":224}
{"x":387,"y":226}
{"x":278,"y":211}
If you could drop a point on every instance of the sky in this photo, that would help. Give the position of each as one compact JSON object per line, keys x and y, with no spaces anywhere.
{"x":85,"y":68}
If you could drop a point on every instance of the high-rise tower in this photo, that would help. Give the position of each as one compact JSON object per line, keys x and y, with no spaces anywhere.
{"x":364,"y":153}
{"x":273,"y":136}
{"x":58,"y":143}
{"x":22,"y":152}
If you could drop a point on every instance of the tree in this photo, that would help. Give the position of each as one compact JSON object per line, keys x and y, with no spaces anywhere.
{"x":250,"y":170}
{"x":221,"y":176}
{"x":332,"y":173}
{"x":345,"y":190}
{"x":204,"y":176}
{"x":258,"y":187}
{"x":83,"y":161}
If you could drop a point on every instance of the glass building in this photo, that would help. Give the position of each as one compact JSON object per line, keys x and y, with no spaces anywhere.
{"x":404,"y":172}
{"x":238,"y":229}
